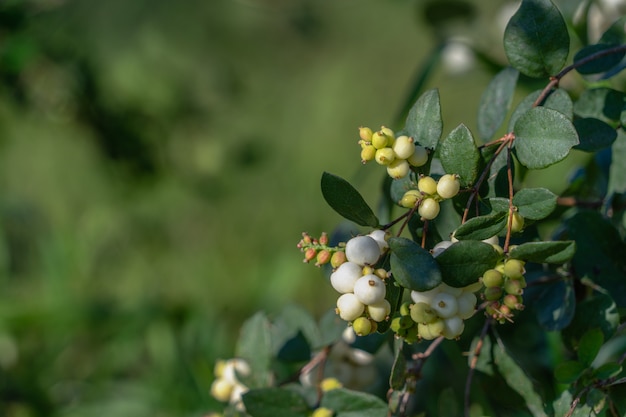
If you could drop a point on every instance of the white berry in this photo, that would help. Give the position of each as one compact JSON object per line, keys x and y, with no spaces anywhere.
{"x":444,"y":304}
{"x":429,"y":208}
{"x":456,"y":291}
{"x":379,"y":311}
{"x":343,"y":279}
{"x":349,"y":307}
{"x":370,"y":289}
{"x":454,"y":326}
{"x":448,"y":186}
{"x":380,"y":237}
{"x":403,"y":147}
{"x":362,"y":250}
{"x":424,"y":296}
{"x":466,"y":304}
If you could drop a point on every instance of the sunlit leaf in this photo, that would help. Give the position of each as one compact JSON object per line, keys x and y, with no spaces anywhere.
{"x":535,"y":203}
{"x":568,"y":372}
{"x":275,"y":402}
{"x":347,"y":403}
{"x":557,"y":100}
{"x":496,"y":102}
{"x":556,"y":252}
{"x":424,"y":123}
{"x":347,"y":201}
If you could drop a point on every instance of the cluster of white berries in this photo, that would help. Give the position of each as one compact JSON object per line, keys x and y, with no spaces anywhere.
{"x":226,"y":387}
{"x":362,"y":287}
{"x":429,"y":193}
{"x":398,"y":154}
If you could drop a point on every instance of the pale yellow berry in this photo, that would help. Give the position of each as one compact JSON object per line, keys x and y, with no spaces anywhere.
{"x":403,"y":147}
{"x":517,"y":222}
{"x":330,"y":383}
{"x":379,"y":140}
{"x":365,"y":133}
{"x":399,"y":168}
{"x":429,"y":208}
{"x":221,"y":389}
{"x":362,"y":326}
{"x":427,"y":185}
{"x":410,"y":198}
{"x":448,"y":186}
{"x":368,"y":153}
{"x":419,"y":157}
{"x":384,"y":156}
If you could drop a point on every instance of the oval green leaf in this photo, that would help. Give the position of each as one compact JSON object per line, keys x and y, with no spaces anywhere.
{"x":590,"y":345}
{"x":424,"y":123}
{"x":594,"y":134}
{"x":543,"y":137}
{"x":599,"y":311}
{"x":536,"y":40}
{"x":347,"y":403}
{"x":568,"y":372}
{"x":608,"y":370}
{"x":600,"y":64}
{"x":412,"y":266}
{"x":465,"y":261}
{"x":545,"y":252}
{"x":601,"y":103}
{"x":557,"y":100}
{"x":555,"y":305}
{"x":535,"y":203}
{"x":496,"y":102}
{"x":275,"y":402}
{"x":459,"y":155}
{"x":482,"y":227}
{"x":347,"y":201}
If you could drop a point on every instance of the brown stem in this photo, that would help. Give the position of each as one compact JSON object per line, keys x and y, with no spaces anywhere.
{"x":509,"y":173}
{"x":472,"y":368}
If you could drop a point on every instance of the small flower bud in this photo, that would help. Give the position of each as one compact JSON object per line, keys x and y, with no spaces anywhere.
{"x":323,"y":257}
{"x":337,"y":259}
{"x":309,"y":255}
{"x":324,"y":239}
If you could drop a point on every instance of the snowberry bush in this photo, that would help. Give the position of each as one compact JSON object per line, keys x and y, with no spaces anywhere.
{"x":469,"y":293}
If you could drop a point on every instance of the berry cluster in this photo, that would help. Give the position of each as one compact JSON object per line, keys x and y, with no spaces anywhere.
{"x":440,"y":311}
{"x":319,"y":250}
{"x":504,"y":286}
{"x":226,"y":387}
{"x":429,"y":193}
{"x":398,"y":154}
{"x":362,"y":286}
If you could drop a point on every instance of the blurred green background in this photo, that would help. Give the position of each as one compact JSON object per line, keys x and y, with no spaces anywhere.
{"x":159,"y":161}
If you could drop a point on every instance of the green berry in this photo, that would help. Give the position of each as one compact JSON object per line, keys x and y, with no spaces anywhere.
{"x":423,"y":313}
{"x":514,"y":286}
{"x":405,"y":309}
{"x":514,"y":268}
{"x":424,"y":332}
{"x":410,"y":198}
{"x":396,"y":324}
{"x":448,"y":186}
{"x":514,"y":302}
{"x":427,"y":185}
{"x":429,"y":208}
{"x":406,"y":322}
{"x":384,"y":156}
{"x":492,"y":278}
{"x":419,"y":157}
{"x":517,"y":222}
{"x":379,"y":140}
{"x":436,"y":328}
{"x":368,"y":153}
{"x":362,"y":326}
{"x":493,"y":293}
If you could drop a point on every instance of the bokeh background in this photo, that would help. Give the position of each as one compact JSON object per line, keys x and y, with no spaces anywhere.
{"x":160,"y":159}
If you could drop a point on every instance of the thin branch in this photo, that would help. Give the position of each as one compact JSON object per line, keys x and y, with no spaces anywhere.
{"x":472,"y":368}
{"x":509,"y":173}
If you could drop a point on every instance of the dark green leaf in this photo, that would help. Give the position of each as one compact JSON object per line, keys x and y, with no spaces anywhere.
{"x":534,"y":203}
{"x":568,"y":372}
{"x":608,"y":370}
{"x":594,"y":134}
{"x":555,"y":305}
{"x":347,"y":403}
{"x":275,"y":402}
{"x":617,"y":179}
{"x":482,"y":227}
{"x":397,"y":378}
{"x":600,"y":64}
{"x":598,"y":311}
{"x":545,"y":252}
{"x":600,"y":103}
{"x":495,"y":102}
{"x":557,"y":100}
{"x":347,"y":201}
{"x":589,"y":345}
{"x":459,"y":155}
{"x":331,"y":328}
{"x":599,"y":253}
{"x":424,"y":122}
{"x":499,"y":204}
{"x":255,"y":346}
{"x":465,"y":261}
{"x":412,"y":266}
{"x":543,"y":137}
{"x":536,"y":41}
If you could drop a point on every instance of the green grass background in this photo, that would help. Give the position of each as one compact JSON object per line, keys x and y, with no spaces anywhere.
{"x":158,"y":163}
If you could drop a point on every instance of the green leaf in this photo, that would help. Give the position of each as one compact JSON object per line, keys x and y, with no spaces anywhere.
{"x":459,"y":155}
{"x":275,"y":402}
{"x":482,"y":227}
{"x":495,"y":102}
{"x":295,"y":349}
{"x":545,"y":252}
{"x":568,"y":372}
{"x":347,"y":403}
{"x":599,"y":311}
{"x":499,"y":204}
{"x":331,"y":328}
{"x":589,"y":345}
{"x":543,"y":137}
{"x":424,"y":122}
{"x":397,"y":378}
{"x":617,"y":179}
{"x":608,"y":370}
{"x":601,"y":103}
{"x":594,"y":134}
{"x":562,"y":406}
{"x":600,"y":64}
{"x":290,"y":322}
{"x":536,"y":41}
{"x":347,"y":201}
{"x":555,"y":305}
{"x":255,"y":346}
{"x":412,"y":266}
{"x":465,"y":261}
{"x":557,"y":100}
{"x":534,"y":203}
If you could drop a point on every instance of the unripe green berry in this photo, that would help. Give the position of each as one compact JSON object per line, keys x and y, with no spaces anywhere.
{"x":427,"y":185}
{"x":514,"y":302}
{"x":493,"y":293}
{"x":423,"y":330}
{"x":362,"y":326}
{"x":513,"y":286}
{"x":445,"y":305}
{"x":221,"y":389}
{"x":411,"y":334}
{"x":387,"y":132}
{"x":514,"y":268}
{"x":403,"y":147}
{"x":369,"y":289}
{"x":410,"y":198}
{"x":423,"y":313}
{"x":405,"y":309}
{"x":384,"y":156}
{"x":379,"y":140}
{"x":397,"y":169}
{"x":448,"y":186}
{"x":349,"y":307}
{"x":492,"y":278}
{"x":492,"y":309}
{"x":365,"y":133}
{"x":419,"y":157}
{"x":338,"y":259}
{"x":381,"y":273}
{"x":395,"y":325}
{"x":368,"y":153}
{"x":429,"y":208}
{"x":517,"y":222}
{"x":379,"y":311}
{"x":406,"y":322}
